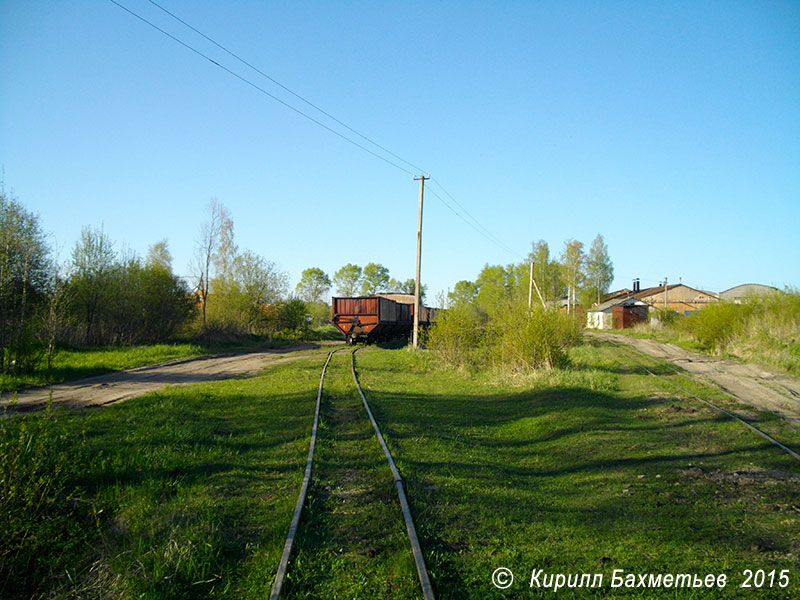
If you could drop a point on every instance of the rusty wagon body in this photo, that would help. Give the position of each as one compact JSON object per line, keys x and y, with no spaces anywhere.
{"x":376,"y":318}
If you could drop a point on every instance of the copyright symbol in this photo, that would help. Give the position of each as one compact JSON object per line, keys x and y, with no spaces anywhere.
{"x":502,"y":578}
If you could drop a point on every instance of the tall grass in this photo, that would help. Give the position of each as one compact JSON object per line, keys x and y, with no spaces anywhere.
{"x":44,"y":518}
{"x":771,"y":331}
{"x":763,"y":328}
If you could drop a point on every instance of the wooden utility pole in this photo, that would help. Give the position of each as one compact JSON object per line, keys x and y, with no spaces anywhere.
{"x":665,"y":294}
{"x":530,"y":288}
{"x":531,"y":284}
{"x":417,"y":304}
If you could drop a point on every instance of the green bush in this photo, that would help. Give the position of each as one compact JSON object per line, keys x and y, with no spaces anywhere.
{"x":458,"y":337}
{"x":717,"y":324}
{"x":535,"y":338}
{"x":515,"y":339}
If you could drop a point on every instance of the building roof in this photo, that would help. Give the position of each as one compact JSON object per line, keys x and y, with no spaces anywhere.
{"x":746,"y":289}
{"x":629,"y":301}
{"x":652,"y":291}
{"x":401,"y":298}
{"x":623,"y":293}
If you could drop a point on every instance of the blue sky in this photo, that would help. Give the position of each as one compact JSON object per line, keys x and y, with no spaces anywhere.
{"x":672,"y":128}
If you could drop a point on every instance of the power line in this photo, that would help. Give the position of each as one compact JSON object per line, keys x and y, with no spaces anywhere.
{"x":474,"y":223}
{"x":260,"y":89}
{"x":487,"y":235}
{"x":285,"y":88}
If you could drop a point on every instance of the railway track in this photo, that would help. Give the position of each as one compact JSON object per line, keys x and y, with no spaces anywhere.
{"x":677,"y":371}
{"x":419,"y":561}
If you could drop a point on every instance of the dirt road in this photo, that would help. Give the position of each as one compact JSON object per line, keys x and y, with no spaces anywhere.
{"x":752,"y":384}
{"x":121,"y":385}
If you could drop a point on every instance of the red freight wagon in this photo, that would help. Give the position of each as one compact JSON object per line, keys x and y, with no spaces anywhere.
{"x":376,"y":318}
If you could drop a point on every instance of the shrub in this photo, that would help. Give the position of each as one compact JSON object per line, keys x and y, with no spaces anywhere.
{"x":529,"y":339}
{"x":717,"y":324}
{"x":457,"y":338}
{"x":515,"y":339}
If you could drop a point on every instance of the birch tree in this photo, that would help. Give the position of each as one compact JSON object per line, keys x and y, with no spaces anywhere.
{"x":573,"y":261}
{"x":599,"y":270}
{"x":206,"y":249}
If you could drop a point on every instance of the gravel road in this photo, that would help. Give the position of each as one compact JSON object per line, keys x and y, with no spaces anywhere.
{"x":121,"y":385}
{"x":752,"y":384}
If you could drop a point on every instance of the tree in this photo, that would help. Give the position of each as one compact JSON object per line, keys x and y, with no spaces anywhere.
{"x":347,"y":280}
{"x":56,"y":313}
{"x":407,"y":287}
{"x":375,"y":278}
{"x":90,"y":279}
{"x":259,"y":279}
{"x":158,"y":255}
{"x":227,"y":251}
{"x":464,"y":292}
{"x":252,"y":284}
{"x":314,"y":285}
{"x":207,"y":248}
{"x":495,"y":288}
{"x":546,"y":271}
{"x":599,"y":270}
{"x":572,"y":261}
{"x":24,"y":270}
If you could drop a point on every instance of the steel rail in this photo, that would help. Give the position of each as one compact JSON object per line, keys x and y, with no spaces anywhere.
{"x":419,"y":560}
{"x":766,"y":436}
{"x":280,"y":576}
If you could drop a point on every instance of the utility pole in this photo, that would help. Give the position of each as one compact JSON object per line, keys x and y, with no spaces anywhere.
{"x":598,"y":288}
{"x":530,"y":288}
{"x":532,"y":284}
{"x":665,"y":293}
{"x":415,"y":334}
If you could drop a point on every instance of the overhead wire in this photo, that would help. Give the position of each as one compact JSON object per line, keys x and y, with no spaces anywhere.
{"x":285,"y":88}
{"x":260,"y":89}
{"x":487,"y":235}
{"x":473,"y":222}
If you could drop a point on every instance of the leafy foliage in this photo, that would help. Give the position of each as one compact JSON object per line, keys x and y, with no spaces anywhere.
{"x":347,"y":280}
{"x":24,"y":269}
{"x":599,"y":272}
{"x":526,"y":339}
{"x":374,"y":279}
{"x":314,"y":285}
{"x":514,"y":339}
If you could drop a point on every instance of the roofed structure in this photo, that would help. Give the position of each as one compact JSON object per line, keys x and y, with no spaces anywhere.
{"x":740,"y":292}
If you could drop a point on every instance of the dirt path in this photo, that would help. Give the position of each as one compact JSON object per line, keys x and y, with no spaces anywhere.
{"x":121,"y":385}
{"x":750,"y":383}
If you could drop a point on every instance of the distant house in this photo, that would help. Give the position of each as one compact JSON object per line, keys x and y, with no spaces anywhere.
{"x":617,"y":313}
{"x":678,"y":297}
{"x":740,"y":292}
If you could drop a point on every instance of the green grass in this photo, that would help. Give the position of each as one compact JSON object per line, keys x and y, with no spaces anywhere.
{"x":353,"y":541}
{"x":188,"y":493}
{"x":76,"y":363}
{"x":628,"y":475}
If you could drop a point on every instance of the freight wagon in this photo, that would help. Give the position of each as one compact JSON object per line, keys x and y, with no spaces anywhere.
{"x":377,"y":318}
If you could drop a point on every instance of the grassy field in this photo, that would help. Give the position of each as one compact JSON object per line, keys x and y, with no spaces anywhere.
{"x":188,"y":493}
{"x":76,"y":363}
